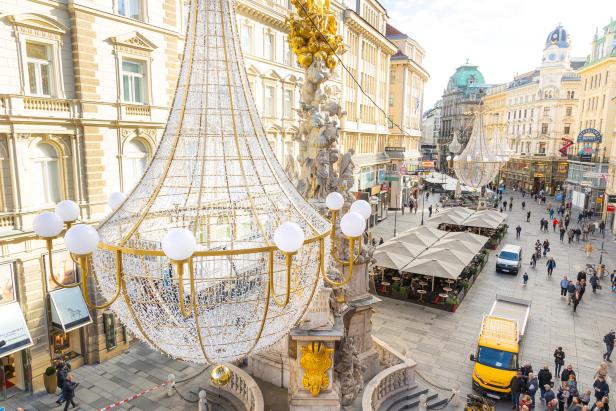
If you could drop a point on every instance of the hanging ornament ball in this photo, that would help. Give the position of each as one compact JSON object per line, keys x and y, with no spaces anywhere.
{"x":47,"y":225}
{"x":352,"y":224}
{"x":179,"y":244}
{"x":334,"y":201}
{"x":361,"y":207}
{"x":220,"y":375}
{"x":289,"y":237}
{"x":81,"y":239}
{"x":116,"y":199}
{"x":67,"y":210}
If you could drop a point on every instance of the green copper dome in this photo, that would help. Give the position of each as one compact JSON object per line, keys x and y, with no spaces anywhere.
{"x":466,"y":75}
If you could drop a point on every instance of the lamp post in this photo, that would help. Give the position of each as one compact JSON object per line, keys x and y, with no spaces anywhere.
{"x":423,"y":196}
{"x":396,"y":216}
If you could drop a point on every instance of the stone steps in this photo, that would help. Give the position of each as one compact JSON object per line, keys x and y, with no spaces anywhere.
{"x":409,"y":400}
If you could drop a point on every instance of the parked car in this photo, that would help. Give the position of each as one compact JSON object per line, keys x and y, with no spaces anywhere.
{"x":509,"y":259}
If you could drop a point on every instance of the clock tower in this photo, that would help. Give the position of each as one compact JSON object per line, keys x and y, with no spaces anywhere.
{"x":557,"y":48}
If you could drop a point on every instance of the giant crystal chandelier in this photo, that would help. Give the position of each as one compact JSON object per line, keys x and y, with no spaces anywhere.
{"x":215,"y":175}
{"x":480,"y":161}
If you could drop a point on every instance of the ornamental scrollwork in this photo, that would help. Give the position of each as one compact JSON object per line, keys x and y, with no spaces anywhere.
{"x":316,"y":360}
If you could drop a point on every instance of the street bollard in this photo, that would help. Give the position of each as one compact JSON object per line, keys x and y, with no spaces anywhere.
{"x":171,"y":385}
{"x":423,"y":403}
{"x":203,"y":401}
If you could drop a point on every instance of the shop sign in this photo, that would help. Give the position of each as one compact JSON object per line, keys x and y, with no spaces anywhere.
{"x":610,"y":208}
{"x":68,"y":309}
{"x":7,"y":284}
{"x":64,"y":269}
{"x":611,"y":198}
{"x":375,"y":190}
{"x":427,"y":165}
{"x":567,"y":143}
{"x":600,"y":200}
{"x":539,"y":175}
{"x":380,"y":176}
{"x":589,"y":135}
{"x":384,"y":187}
{"x":394,"y":149}
{"x":403,"y":170}
{"x":392,"y":178}
{"x":13,"y":329}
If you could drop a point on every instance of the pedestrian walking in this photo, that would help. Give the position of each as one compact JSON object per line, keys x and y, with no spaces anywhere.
{"x":559,"y":360}
{"x":554,"y":224}
{"x":62,"y":370}
{"x":594,"y":282}
{"x":588,"y":249}
{"x":578,"y":233}
{"x":585,"y":231}
{"x":582,"y":289}
{"x":562,"y":396}
{"x":546,"y":247}
{"x":68,"y":390}
{"x":532,"y":385}
{"x":601,"y":227}
{"x":517,"y":383}
{"x":550,"y":397}
{"x":525,"y":278}
{"x":518,"y":230}
{"x":430,"y":211}
{"x":601,"y":370}
{"x":564,"y":283}
{"x":505,"y":204}
{"x":533,"y":260}
{"x":570,"y":235}
{"x":510,"y":205}
{"x":576,"y":300}
{"x":551,"y":213}
{"x":564,"y":376}
{"x":551,"y":264}
{"x":608,"y":339}
{"x":567,"y":221}
{"x":570,"y":292}
{"x":562,"y":234}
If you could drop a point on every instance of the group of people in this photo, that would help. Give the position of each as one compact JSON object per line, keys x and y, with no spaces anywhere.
{"x":560,"y":391}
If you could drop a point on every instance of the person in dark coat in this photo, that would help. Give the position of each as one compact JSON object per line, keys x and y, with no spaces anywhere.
{"x":528,"y":216}
{"x":61,"y":372}
{"x":517,"y":384}
{"x":602,"y":389}
{"x":594,"y":282}
{"x":609,"y":339}
{"x":551,"y":264}
{"x":567,"y":372}
{"x":559,"y":360}
{"x":68,"y":390}
{"x":545,"y":378}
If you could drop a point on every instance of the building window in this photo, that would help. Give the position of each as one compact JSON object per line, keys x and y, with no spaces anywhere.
{"x":269,"y":101}
{"x":570,"y":94}
{"x":247,"y":39}
{"x":135,"y":162}
{"x":46,"y":172}
{"x":544,"y":128}
{"x":287,"y":56}
{"x":569,"y":111}
{"x":131,"y":9}
{"x":268,"y":46}
{"x":546,"y":111}
{"x":40,"y":69}
{"x":288,"y":104}
{"x":567,"y":129}
{"x":133,"y":81}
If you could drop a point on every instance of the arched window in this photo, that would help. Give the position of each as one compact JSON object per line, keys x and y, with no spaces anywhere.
{"x":46,"y":172}
{"x":135,"y":162}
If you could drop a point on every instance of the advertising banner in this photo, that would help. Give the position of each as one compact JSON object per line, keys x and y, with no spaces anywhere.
{"x":7,"y":284}
{"x":589,"y":135}
{"x":68,"y":309}
{"x":64,"y":269}
{"x":13,"y":329}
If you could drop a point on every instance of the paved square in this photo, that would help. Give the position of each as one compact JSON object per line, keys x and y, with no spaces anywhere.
{"x":441,"y":342}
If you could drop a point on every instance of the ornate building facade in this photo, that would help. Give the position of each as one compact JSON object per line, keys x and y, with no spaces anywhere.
{"x":596,"y":128}
{"x":84,"y":94}
{"x":430,"y":131}
{"x":464,"y":90}
{"x":540,"y":115}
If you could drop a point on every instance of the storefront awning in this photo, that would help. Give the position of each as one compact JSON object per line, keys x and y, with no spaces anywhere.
{"x":13,"y":329}
{"x":68,"y":309}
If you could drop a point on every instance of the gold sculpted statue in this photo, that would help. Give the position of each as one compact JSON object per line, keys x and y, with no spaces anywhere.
{"x":316,"y":360}
{"x":313,"y":33}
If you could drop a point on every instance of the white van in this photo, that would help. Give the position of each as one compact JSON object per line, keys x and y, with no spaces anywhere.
{"x":509,"y":259}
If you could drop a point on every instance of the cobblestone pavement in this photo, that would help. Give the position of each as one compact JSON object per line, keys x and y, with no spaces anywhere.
{"x":441,"y":342}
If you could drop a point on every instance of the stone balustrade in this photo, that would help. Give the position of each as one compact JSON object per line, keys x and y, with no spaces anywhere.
{"x":243,"y":387}
{"x":47,"y":104}
{"x":398,"y":376}
{"x":137,"y":111}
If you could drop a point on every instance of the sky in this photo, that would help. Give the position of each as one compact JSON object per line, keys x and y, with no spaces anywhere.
{"x":502,"y":37}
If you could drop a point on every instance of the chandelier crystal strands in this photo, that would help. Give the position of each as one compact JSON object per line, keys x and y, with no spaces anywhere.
{"x":214,"y":255}
{"x":455,"y":147}
{"x":479,"y":162}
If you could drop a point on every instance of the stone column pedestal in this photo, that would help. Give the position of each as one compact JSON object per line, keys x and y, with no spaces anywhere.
{"x":311,"y":363}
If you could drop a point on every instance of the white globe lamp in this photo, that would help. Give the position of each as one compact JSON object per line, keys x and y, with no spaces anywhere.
{"x":67,"y":210}
{"x":361,"y":207}
{"x":289,"y":237}
{"x":47,"y":225}
{"x":116,"y":199}
{"x":352,"y":224}
{"x":179,"y":244}
{"x":81,"y":239}
{"x":334,"y":201}
{"x":448,"y":158}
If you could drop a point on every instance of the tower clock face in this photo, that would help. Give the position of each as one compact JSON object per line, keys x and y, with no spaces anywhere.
{"x":552,"y":56}
{"x":554,"y":36}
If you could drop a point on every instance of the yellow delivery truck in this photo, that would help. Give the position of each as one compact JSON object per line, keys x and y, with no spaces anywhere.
{"x":498,"y":349}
